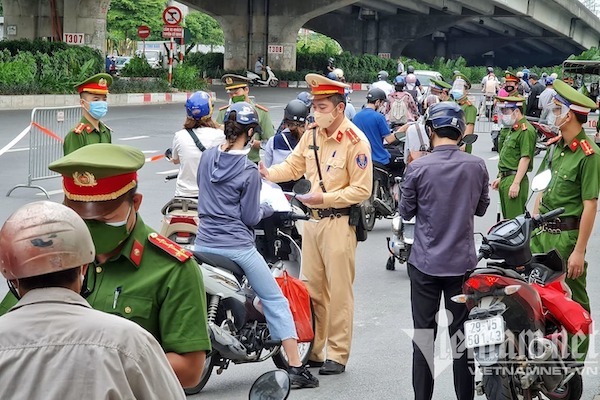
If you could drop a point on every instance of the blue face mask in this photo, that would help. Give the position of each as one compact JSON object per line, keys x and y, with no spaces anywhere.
{"x":457,"y":94}
{"x":98,"y":109}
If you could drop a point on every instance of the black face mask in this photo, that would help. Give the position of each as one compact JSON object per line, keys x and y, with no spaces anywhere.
{"x":509,"y":88}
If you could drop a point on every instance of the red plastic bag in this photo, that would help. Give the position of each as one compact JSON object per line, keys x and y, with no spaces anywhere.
{"x":571,"y":314}
{"x":297,"y":294}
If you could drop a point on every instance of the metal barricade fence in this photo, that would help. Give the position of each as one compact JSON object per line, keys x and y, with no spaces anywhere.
{"x":47,"y":130}
{"x":483,"y":124}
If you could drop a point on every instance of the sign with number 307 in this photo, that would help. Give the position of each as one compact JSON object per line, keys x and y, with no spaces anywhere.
{"x":74,"y":38}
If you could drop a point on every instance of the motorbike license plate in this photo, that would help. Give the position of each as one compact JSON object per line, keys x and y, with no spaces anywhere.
{"x":484,"y":332}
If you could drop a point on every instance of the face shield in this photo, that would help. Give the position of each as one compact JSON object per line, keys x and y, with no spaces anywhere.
{"x":458,"y":88}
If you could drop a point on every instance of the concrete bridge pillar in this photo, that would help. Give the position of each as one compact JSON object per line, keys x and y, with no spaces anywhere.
{"x":268,"y":28}
{"x":32,"y":19}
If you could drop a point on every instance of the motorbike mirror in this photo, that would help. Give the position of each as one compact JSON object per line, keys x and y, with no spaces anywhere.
{"x":272,"y":385}
{"x":541,"y":181}
{"x":302,"y":186}
{"x":469,"y":139}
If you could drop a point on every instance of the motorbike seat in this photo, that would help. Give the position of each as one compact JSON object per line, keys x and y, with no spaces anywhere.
{"x":221,"y":262}
{"x":492,"y":270}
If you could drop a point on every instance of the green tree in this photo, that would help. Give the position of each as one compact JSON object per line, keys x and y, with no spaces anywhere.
{"x":204,"y":29}
{"x":125,"y":16}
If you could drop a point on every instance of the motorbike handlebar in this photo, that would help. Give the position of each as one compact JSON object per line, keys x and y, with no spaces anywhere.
{"x":540,"y":219}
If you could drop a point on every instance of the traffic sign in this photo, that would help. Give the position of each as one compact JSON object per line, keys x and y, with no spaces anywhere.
{"x":172,"y":15}
{"x":74,"y":38}
{"x":170,"y":31}
{"x":143,"y":31}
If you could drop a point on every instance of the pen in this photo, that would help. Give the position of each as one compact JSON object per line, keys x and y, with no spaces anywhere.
{"x":332,"y":156}
{"x":116,"y":297}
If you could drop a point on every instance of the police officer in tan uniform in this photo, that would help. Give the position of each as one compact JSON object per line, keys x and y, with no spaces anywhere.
{"x":329,"y":242}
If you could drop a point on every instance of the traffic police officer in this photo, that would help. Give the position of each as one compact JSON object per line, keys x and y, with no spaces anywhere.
{"x":575,"y":184}
{"x":137,"y":273}
{"x":238,"y":90}
{"x":516,"y":156}
{"x":460,"y":95}
{"x":342,"y":153}
{"x":92,"y":98}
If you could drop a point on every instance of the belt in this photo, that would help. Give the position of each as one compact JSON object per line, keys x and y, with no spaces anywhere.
{"x":561,"y":224}
{"x":504,"y":174}
{"x":320,"y":213}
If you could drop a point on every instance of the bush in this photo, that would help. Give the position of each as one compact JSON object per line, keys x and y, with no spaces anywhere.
{"x":138,"y":67}
{"x":140,"y":85}
{"x":187,"y":77}
{"x":208,"y":65}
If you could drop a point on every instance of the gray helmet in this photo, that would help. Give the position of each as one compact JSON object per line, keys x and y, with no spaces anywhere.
{"x":295,"y":110}
{"x":382,"y":75}
{"x":410,"y":69}
{"x":375,"y":94}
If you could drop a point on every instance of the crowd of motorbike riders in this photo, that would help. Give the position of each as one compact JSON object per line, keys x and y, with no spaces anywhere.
{"x":49,"y":262}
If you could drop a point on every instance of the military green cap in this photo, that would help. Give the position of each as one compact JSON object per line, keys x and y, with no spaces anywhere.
{"x":97,"y":175}
{"x":97,"y":84}
{"x":233,"y":81}
{"x":510,"y":102}
{"x":509,"y":76}
{"x":464,"y":78}
{"x":440,"y":84}
{"x":578,"y":102}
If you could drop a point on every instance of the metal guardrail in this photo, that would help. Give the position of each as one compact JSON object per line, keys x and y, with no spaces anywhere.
{"x":47,"y":130}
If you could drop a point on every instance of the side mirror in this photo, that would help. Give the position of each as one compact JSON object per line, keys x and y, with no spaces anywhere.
{"x":168,"y":154}
{"x":469,"y":139}
{"x":302,"y":186}
{"x":272,"y":385}
{"x":541,"y":181}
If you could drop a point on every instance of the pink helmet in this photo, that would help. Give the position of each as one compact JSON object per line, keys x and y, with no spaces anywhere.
{"x":411,"y":78}
{"x":43,"y":237}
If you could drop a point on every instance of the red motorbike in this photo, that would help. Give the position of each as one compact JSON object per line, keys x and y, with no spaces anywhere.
{"x":520,"y":314}
{"x":544,"y":134}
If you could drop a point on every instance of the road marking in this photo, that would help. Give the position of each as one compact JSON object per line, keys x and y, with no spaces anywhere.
{"x":169,"y":172}
{"x":149,"y":151}
{"x":18,"y":149}
{"x":50,"y":192}
{"x":134,"y":137}
{"x":494,"y":158}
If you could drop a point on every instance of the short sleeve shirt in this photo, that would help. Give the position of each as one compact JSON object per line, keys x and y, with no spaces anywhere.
{"x":519,"y":142}
{"x":85,"y":133}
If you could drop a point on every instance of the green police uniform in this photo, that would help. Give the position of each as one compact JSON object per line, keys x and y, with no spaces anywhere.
{"x":468,"y":108}
{"x":575,"y":178}
{"x":233,"y":82}
{"x":518,"y":142}
{"x":85,"y":133}
{"x":151,"y":281}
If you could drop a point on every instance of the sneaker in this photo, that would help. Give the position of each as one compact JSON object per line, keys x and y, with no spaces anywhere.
{"x":300,"y":377}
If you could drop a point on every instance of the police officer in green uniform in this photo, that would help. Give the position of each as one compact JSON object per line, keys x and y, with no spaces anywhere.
{"x":516,"y":157}
{"x":575,"y":184}
{"x":92,"y":97}
{"x":459,"y":92}
{"x":137,"y":273}
{"x":511,"y":84}
{"x":238,"y":90}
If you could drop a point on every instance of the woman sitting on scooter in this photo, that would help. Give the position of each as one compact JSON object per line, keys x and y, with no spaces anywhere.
{"x":198,"y":134}
{"x":230,"y":185}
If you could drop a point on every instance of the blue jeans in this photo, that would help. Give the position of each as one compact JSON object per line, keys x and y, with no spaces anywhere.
{"x":275,"y":305}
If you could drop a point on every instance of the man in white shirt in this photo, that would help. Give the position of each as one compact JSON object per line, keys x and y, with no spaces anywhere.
{"x":383,"y":84}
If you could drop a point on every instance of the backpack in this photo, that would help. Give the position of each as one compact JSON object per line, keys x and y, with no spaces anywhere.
{"x":490,"y":85}
{"x":414,"y":92}
{"x":399,"y":113}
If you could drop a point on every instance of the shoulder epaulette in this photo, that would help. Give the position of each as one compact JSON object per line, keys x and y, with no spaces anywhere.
{"x":352,"y":136}
{"x":79,"y":128}
{"x":169,"y":247}
{"x":225,"y":107}
{"x":265,"y":109}
{"x":523,"y":126}
{"x":585,"y":146}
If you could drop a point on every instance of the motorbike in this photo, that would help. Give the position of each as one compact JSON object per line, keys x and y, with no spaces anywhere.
{"x":238,"y":328}
{"x":180,"y":219}
{"x":518,"y":339}
{"x":544,"y":133}
{"x":495,"y":132}
{"x":383,"y":202}
{"x":256,"y":79}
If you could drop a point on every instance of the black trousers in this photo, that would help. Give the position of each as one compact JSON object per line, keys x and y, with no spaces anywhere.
{"x":425,"y":295}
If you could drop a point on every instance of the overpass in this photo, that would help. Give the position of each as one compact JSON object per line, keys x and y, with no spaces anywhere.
{"x":498,"y":32}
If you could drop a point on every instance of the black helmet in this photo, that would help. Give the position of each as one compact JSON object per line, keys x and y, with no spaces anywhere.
{"x":375,"y":94}
{"x":245,"y":114}
{"x":295,"y":110}
{"x":446,"y":114}
{"x":410,"y":69}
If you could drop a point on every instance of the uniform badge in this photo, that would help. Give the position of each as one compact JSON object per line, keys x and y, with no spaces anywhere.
{"x":84,"y":179}
{"x":362,"y":161}
{"x":79,"y":128}
{"x":352,"y":136}
{"x":228,"y":80}
{"x":136,"y":253}
{"x":169,"y":247}
{"x":587,"y":149}
{"x":523,"y":126}
{"x":102,"y":82}
{"x":314,"y":83}
{"x":339,"y":136}
{"x":574,"y":144}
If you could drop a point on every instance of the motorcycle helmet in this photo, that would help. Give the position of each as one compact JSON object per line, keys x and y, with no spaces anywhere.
{"x":41,"y":238}
{"x":525,"y":74}
{"x":411,"y":78}
{"x":295,"y":110}
{"x":490,"y":70}
{"x":305,"y":98}
{"x":398,"y":79}
{"x":199,"y":105}
{"x":339,"y":74}
{"x":410,"y":69}
{"x":245,"y":114}
{"x":331,"y":60}
{"x":382,"y":75}
{"x":446,"y":114}
{"x":375,"y":94}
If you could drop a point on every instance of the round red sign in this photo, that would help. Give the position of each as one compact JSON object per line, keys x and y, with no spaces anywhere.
{"x":143,"y":32}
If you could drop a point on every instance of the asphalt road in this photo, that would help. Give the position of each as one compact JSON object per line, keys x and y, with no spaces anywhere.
{"x":380,"y":364}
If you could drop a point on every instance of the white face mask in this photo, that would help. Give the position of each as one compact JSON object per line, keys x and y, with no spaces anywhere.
{"x":508,"y":120}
